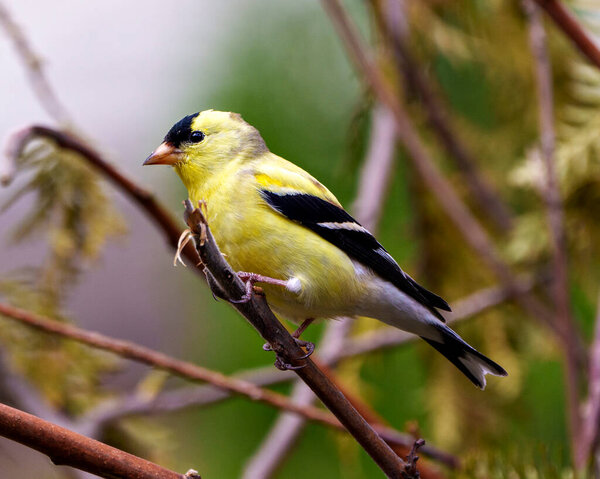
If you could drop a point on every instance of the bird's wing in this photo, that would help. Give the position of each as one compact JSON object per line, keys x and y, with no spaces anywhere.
{"x":328,"y":219}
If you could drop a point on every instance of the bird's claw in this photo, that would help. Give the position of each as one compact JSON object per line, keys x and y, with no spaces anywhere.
{"x":310,"y":347}
{"x":282,"y":365}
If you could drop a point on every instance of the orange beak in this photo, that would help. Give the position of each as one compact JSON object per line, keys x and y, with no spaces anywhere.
{"x":165,"y":154}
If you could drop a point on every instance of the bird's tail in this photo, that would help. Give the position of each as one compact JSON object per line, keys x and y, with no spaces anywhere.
{"x":471,"y":362}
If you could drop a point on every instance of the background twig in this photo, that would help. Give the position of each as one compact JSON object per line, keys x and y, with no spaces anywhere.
{"x":590,"y":421}
{"x":572,"y":29}
{"x":34,"y":69}
{"x":554,"y":210}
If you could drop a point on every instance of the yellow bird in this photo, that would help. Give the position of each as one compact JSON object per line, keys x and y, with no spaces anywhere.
{"x":313,"y":260}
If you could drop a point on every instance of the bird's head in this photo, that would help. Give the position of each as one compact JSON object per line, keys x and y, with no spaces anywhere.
{"x":203,"y":142}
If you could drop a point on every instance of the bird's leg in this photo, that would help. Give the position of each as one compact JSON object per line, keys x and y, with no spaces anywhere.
{"x":250,"y":279}
{"x":310,"y":347}
{"x":305,"y":324}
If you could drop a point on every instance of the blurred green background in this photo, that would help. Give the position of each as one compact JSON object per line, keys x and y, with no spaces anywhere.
{"x":281,"y":65}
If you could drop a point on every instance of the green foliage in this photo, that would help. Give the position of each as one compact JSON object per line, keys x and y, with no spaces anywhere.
{"x":70,"y":211}
{"x":72,"y":214}
{"x":66,"y":373}
{"x":536,"y":463}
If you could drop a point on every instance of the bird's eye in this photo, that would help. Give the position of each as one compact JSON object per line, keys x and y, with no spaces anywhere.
{"x":196,"y":136}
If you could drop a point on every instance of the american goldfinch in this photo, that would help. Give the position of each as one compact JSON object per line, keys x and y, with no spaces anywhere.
{"x":272,"y":218}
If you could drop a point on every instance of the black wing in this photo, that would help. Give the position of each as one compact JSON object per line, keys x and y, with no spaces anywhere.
{"x":339,"y":228}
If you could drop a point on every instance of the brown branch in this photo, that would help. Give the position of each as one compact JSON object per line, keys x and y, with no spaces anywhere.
{"x":34,"y":69}
{"x":68,"y":448}
{"x":143,"y":198}
{"x":448,"y":199}
{"x":572,"y":29}
{"x":257,"y":312}
{"x":488,"y":200}
{"x":554,"y":210}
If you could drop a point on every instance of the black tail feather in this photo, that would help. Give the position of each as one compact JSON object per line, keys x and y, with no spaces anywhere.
{"x":468,"y":360}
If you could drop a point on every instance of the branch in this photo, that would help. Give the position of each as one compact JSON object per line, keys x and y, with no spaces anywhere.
{"x":257,"y":312}
{"x":554,"y":211}
{"x":68,"y":448}
{"x":17,"y":143}
{"x":572,"y":29}
{"x":448,"y":199}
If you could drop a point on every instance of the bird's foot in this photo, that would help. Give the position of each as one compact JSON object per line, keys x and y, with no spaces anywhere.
{"x":249,"y":279}
{"x":282,"y":365}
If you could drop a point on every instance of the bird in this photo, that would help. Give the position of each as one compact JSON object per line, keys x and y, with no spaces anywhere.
{"x":281,"y":228}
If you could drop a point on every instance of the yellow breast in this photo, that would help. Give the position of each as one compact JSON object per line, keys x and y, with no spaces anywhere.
{"x":257,"y":239}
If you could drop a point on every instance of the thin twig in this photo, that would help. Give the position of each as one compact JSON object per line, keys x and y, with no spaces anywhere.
{"x":257,"y":312}
{"x":448,"y":199}
{"x":34,"y":69}
{"x":572,"y":29}
{"x":554,"y":210}
{"x":392,"y":24}
{"x":68,"y":448}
